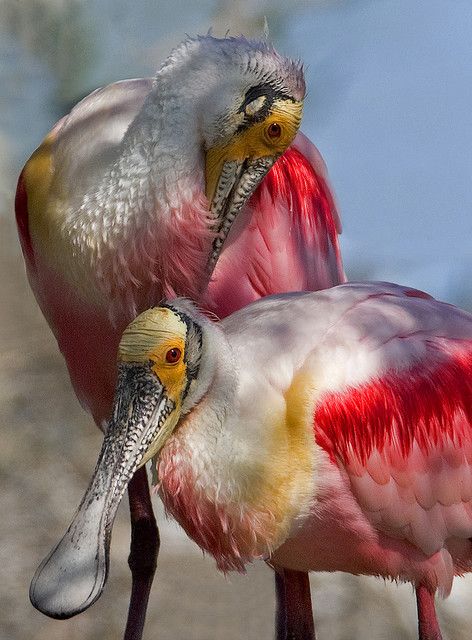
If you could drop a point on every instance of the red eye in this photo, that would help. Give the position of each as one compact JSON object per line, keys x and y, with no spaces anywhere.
{"x":274,"y":130}
{"x":173,"y":355}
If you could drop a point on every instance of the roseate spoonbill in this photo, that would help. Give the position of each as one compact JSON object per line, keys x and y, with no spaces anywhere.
{"x":132,"y":197}
{"x":319,"y":431}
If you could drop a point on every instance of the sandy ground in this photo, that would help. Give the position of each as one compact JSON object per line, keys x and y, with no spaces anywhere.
{"x":47,"y":453}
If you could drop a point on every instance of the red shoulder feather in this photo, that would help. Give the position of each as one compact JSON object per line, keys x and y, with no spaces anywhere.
{"x":295,"y":181}
{"x":429,"y":403}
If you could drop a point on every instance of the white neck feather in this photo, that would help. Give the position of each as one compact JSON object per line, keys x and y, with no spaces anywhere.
{"x":151,"y":197}
{"x":159,"y":167}
{"x":213,"y":395}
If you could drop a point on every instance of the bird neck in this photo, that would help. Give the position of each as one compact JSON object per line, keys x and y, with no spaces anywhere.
{"x":217,"y":474}
{"x":150,"y":201}
{"x":162,"y":149}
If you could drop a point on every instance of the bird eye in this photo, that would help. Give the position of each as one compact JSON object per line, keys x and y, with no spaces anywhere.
{"x":173,"y":355}
{"x":274,"y":130}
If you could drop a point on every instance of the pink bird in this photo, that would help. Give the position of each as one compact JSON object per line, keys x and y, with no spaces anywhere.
{"x":149,"y":187}
{"x":327,"y":431}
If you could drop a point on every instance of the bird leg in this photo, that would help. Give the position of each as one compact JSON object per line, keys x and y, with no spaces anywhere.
{"x":428,"y":626}
{"x":294,"y":614}
{"x":144,"y":550}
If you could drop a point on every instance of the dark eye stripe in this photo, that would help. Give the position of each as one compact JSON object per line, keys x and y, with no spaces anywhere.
{"x":191,"y":356}
{"x":271,"y":94}
{"x":267,"y":90}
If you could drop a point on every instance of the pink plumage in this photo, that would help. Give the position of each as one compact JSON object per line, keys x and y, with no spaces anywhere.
{"x":292,"y":199}
{"x":293,"y":203}
{"x":405,"y":443}
{"x":427,"y":404}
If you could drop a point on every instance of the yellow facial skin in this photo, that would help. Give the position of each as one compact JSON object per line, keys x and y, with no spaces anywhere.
{"x":255,"y":142}
{"x":154,"y":336}
{"x":173,"y":375}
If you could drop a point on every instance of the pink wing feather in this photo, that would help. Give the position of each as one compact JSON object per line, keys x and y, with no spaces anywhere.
{"x":404,"y":438}
{"x":293,"y":203}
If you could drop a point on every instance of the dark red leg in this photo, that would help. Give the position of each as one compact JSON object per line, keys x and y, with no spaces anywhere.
{"x":143,"y":553}
{"x":294,"y":614}
{"x":428,"y":626}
